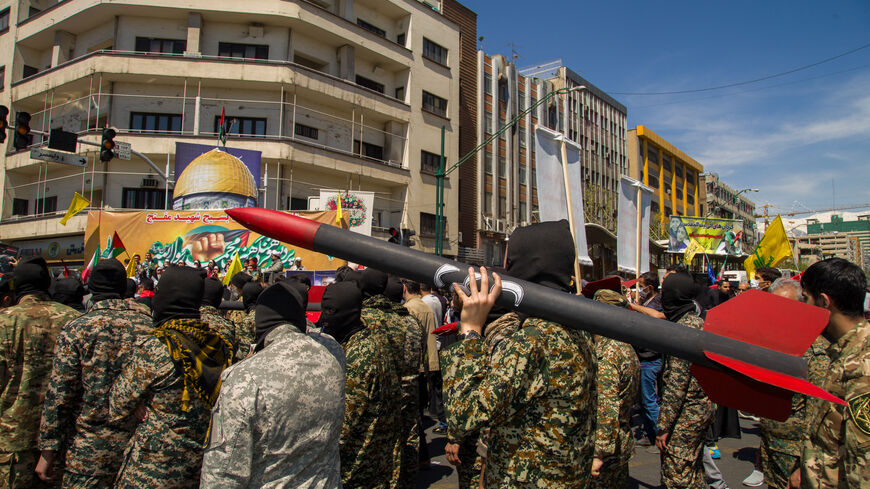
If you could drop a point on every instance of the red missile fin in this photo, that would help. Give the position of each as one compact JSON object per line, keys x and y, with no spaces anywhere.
{"x":741,"y":392}
{"x":282,"y":226}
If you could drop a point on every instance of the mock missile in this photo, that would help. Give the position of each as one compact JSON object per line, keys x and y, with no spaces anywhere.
{"x":748,"y":356}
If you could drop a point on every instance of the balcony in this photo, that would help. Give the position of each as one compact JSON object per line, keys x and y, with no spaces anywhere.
{"x":42,"y":226}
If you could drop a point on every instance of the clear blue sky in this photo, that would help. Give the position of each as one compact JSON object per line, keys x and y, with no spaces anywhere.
{"x":789,"y":136}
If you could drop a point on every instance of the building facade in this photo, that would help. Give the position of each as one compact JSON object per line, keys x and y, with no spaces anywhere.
{"x":724,"y":202}
{"x":859,"y":229}
{"x":819,"y":246}
{"x":335,"y":94}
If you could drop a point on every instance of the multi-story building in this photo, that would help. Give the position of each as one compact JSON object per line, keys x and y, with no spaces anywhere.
{"x":814,"y":247}
{"x":671,"y":173}
{"x":341,"y":94}
{"x":724,"y":202}
{"x":859,"y":228}
{"x":506,"y":167}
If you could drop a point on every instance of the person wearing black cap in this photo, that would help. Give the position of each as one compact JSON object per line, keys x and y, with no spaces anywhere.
{"x":28,"y":332}
{"x":88,"y":357}
{"x":212,"y":295}
{"x":174,"y":378}
{"x":278,"y":418}
{"x":537,"y":393}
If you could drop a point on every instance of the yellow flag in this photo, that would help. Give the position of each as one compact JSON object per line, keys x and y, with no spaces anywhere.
{"x":772,"y":249}
{"x":338,"y":215}
{"x":691,"y":249}
{"x":131,"y":269}
{"x":234,"y":268}
{"x":78,"y":203}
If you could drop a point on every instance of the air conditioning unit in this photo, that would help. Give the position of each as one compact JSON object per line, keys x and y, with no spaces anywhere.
{"x":499,"y":225}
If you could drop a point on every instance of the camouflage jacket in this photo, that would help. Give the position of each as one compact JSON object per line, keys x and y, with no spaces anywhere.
{"x":89,"y":354}
{"x":786,"y":436}
{"x":684,"y":403}
{"x":538,"y":399}
{"x":278,"y":418}
{"x":217,"y":323}
{"x":618,"y":380}
{"x":166,"y":447}
{"x":836,"y":453}
{"x":245,"y":335}
{"x":28,"y":332}
{"x":373,"y":395}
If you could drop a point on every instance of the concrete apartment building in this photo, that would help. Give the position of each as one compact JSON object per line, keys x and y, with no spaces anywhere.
{"x":819,"y":246}
{"x":724,"y":202}
{"x":505,"y":168}
{"x":859,"y":229}
{"x":340,"y":94}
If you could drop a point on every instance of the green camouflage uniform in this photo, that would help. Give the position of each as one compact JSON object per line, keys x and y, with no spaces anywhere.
{"x":88,"y":357}
{"x":373,"y":395}
{"x":218,"y":324}
{"x":618,"y":380}
{"x":685,"y":414}
{"x":536,"y":394}
{"x":166,"y":448}
{"x":245,"y":334}
{"x":836,"y":453}
{"x":28,"y":332}
{"x":781,"y":441}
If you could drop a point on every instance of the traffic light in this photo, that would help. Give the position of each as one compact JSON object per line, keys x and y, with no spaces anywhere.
{"x":4,"y":123}
{"x":107,"y":145}
{"x":22,"y":138}
{"x":406,"y":237}
{"x":395,"y":237}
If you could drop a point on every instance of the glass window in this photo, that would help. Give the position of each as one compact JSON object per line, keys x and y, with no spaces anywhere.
{"x":144,"y":198}
{"x":521,"y":100}
{"x":487,"y":83}
{"x":370,"y":84}
{"x":652,"y":154}
{"x":19,"y":207}
{"x":400,"y":93}
{"x":427,"y":224}
{"x":502,"y":166}
{"x":306,"y":131}
{"x":4,"y":20}
{"x":522,"y":173}
{"x":154,"y":45}
{"x":368,"y":150}
{"x":249,"y":51}
{"x":502,"y":206}
{"x":522,"y":211}
{"x":243,"y":126}
{"x":434,"y":52}
{"x":487,"y":204}
{"x":371,"y":28}
{"x":434,"y":104}
{"x":155,"y":122}
{"x":429,"y":162}
{"x":522,"y":138}
{"x":2,"y":78}
{"x":503,"y":90}
{"x":46,"y":205}
{"x":487,"y":162}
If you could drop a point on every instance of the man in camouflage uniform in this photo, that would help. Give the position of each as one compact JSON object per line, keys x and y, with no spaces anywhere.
{"x":28,"y":332}
{"x":245,"y":330}
{"x":538,"y":399}
{"x":836,"y":452}
{"x":174,"y":377}
{"x":88,"y":357}
{"x":780,"y":448}
{"x":618,"y":381}
{"x":211,"y":299}
{"x":686,"y":411}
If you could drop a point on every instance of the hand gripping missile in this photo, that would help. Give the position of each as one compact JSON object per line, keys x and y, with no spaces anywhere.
{"x":749,"y":355}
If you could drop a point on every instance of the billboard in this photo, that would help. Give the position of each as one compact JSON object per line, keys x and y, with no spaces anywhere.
{"x":172,"y":236}
{"x":716,"y":236}
{"x":208,"y":177}
{"x":357,"y":205}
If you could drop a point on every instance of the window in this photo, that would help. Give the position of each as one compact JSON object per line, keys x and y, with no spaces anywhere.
{"x":401,"y":39}
{"x":503,"y":90}
{"x":250,"y":51}
{"x":243,"y":126}
{"x":153,"y":45}
{"x":487,"y":162}
{"x":153,"y":122}
{"x":371,"y":28}
{"x":487,"y":83}
{"x":429,"y":162}
{"x":144,"y":198}
{"x":487,"y":203}
{"x":306,"y":131}
{"x":368,"y":150}
{"x":501,"y":125}
{"x":521,"y":100}
{"x":522,"y":216}
{"x":370,"y":84}
{"x":46,"y":205}
{"x":502,"y":166}
{"x":19,"y":207}
{"x":502,"y":206}
{"x":400,"y":93}
{"x":522,"y":174}
{"x":2,"y":78}
{"x":435,"y":104}
{"x":29,"y":71}
{"x":434,"y":52}
{"x":297,"y":204}
{"x":427,"y":224}
{"x":309,"y":63}
{"x":690,"y":199}
{"x":4,"y":20}
{"x":652,"y":154}
{"x":522,"y":138}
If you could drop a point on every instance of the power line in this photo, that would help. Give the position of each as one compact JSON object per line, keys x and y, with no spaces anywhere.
{"x":756,"y":80}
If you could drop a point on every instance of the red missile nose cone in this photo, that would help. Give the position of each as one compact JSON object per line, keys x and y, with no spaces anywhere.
{"x":282,"y":226}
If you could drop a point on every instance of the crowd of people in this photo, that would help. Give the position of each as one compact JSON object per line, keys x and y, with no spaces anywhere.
{"x":158,"y":383}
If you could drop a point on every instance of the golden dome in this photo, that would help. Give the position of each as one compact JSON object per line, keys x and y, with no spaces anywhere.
{"x":216,"y":171}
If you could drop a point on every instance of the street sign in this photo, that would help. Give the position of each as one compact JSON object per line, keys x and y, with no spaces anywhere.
{"x":122,"y":150}
{"x":58,"y":157}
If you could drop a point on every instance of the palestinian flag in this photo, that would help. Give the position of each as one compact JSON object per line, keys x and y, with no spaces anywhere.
{"x":86,"y":273}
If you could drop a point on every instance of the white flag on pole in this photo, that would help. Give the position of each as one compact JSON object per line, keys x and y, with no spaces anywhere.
{"x":626,"y":235}
{"x":552,"y":203}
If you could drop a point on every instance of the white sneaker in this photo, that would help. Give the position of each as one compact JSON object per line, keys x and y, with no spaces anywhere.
{"x":755,"y":479}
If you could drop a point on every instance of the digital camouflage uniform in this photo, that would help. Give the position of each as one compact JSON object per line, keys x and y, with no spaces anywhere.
{"x":617,"y":381}
{"x":781,"y":441}
{"x":217,"y":323}
{"x":372,"y":421}
{"x":685,"y":414}
{"x":537,"y":397}
{"x":88,"y":357}
{"x":28,"y":332}
{"x":836,"y":454}
{"x":166,"y":448}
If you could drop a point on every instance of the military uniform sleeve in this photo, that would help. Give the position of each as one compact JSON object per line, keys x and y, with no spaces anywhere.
{"x":360,"y":374}
{"x":64,"y":386}
{"x":676,"y":379}
{"x":607,"y":417}
{"x":149,"y":366}
{"x":856,"y":459}
{"x":228,"y":457}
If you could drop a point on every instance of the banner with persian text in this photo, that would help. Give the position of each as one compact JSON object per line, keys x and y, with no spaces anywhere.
{"x":716,"y":236}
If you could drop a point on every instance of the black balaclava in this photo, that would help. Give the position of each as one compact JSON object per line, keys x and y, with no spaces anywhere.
{"x":31,"y":277}
{"x":240,"y":279}
{"x":394,"y":291}
{"x":542,"y":253}
{"x":372,"y":282}
{"x":178,"y":294}
{"x":279,"y":304}
{"x":678,"y":293}
{"x":341,"y":273}
{"x":69,"y":292}
{"x":213,"y":292}
{"x":346,"y":299}
{"x":108,"y":280}
{"x":250,"y":292}
{"x":131,"y":289}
